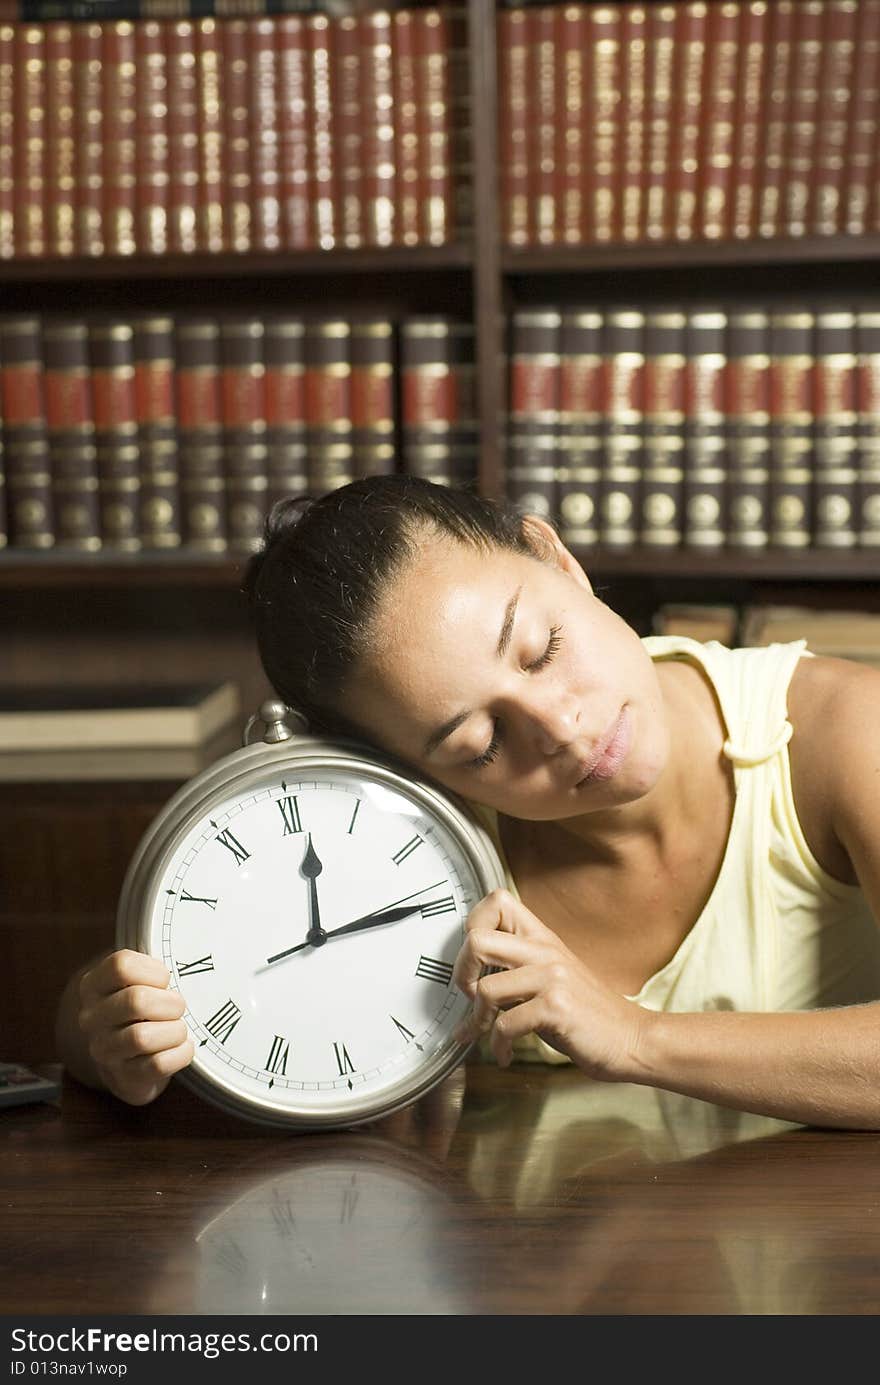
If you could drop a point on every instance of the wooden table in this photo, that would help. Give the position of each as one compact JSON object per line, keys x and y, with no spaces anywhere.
{"x":525,"y":1191}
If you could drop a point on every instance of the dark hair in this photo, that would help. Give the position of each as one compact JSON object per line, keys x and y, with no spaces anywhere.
{"x":317,"y":582}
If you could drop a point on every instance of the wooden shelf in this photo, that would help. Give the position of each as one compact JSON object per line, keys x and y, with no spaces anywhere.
{"x":396,"y":259}
{"x":43,"y":571}
{"x":775,"y":564}
{"x":691,"y":254}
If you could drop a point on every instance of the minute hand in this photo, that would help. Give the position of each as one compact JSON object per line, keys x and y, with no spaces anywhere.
{"x":399,"y":911}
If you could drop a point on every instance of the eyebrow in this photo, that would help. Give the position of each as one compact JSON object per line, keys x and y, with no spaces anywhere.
{"x":442,"y":732}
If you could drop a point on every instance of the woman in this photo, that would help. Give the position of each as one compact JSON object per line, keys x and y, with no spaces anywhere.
{"x":692,"y":833}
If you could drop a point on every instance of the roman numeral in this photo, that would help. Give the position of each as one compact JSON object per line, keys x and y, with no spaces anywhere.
{"x":353,"y":816}
{"x":429,"y":969}
{"x":289,"y":809}
{"x":222,"y":1024}
{"x":278,"y":1054}
{"x":225,"y":838}
{"x":438,"y":906}
{"x":407,"y":850}
{"x":343,"y":1062}
{"x":192,"y":968}
{"x":186,"y":898}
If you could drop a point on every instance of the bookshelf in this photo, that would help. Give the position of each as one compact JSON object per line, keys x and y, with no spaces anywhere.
{"x":144,"y":617}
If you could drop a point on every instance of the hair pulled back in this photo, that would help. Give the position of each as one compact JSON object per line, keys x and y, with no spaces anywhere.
{"x":316,"y":584}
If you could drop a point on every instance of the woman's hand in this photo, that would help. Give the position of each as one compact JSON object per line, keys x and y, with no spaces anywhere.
{"x":132,"y":1025}
{"x":543,"y":989}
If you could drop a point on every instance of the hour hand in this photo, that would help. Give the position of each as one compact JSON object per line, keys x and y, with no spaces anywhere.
{"x":311,"y":868}
{"x":399,"y":911}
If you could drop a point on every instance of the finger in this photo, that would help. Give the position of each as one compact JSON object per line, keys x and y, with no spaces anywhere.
{"x":514,"y":1024}
{"x":491,"y":948}
{"x":136,"y":1003}
{"x":140,"y":1080}
{"x":498,"y":991}
{"x":502,"y":910}
{"x":135,"y":1040}
{"x":120,"y":969}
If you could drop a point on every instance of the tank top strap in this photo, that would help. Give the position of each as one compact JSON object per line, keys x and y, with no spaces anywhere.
{"x":751,"y":686}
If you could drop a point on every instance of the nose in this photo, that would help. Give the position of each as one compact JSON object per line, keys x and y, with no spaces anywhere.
{"x":552,"y":719}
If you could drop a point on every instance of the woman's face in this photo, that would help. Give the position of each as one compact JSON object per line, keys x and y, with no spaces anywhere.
{"x":506,"y":680}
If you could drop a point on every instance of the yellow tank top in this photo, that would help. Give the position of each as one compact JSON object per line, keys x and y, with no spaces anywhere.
{"x":777,"y":932}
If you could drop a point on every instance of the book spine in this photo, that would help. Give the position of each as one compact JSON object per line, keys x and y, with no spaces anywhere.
{"x":434,"y":118}
{"x":535,"y":381}
{"x":120,"y":149}
{"x":328,"y":404}
{"x":243,"y":393}
{"x":862,"y":125}
{"x":661,"y":49}
{"x":154,"y":369}
{"x":631,"y":155}
{"x":461,"y":163}
{"x":579,"y":435}
{"x":835,"y":469}
{"x":29,"y":150}
{"x":777,"y":78}
{"x":322,"y":172}
{"x":89,"y":152}
{"x":839,"y":30}
{"x":408,"y":152}
{"x":429,"y":403}
{"x":705,"y":516}
{"x":661,"y":520}
{"x":803,"y":111}
{"x":264,"y":120}
{"x":605,"y":30}
{"x":286,"y":446}
{"x":718,"y":104}
{"x":571,"y":130}
{"x":868,"y":426}
{"x":60,"y":139}
{"x":349,"y":118}
{"x":151,"y":132}
{"x":372,"y":397}
{"x":295,"y":193}
{"x":4,"y":508}
{"x":111,"y":352}
{"x":748,"y":119}
{"x":748,"y":422}
{"x":543,"y":38}
{"x":183,"y":137}
{"x":624,"y":417}
{"x":210,"y":229}
{"x":791,"y":421}
{"x":7,"y":142}
{"x":70,"y":420}
{"x":199,"y":411}
{"x":513,"y":132}
{"x":25,"y":435}
{"x":236,"y":136}
{"x":379,"y":184}
{"x":690,"y":57}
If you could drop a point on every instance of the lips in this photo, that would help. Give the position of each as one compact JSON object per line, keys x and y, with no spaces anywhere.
{"x":610,"y":752}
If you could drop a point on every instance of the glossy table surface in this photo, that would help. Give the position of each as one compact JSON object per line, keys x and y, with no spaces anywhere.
{"x":525,"y":1191}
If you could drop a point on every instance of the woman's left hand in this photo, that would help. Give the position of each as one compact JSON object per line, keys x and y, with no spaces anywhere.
{"x":544,"y":989}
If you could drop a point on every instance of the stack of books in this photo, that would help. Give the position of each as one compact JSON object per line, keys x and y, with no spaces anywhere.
{"x":71,"y":735}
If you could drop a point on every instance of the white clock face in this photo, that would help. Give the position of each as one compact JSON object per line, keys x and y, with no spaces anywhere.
{"x":287,"y":1012}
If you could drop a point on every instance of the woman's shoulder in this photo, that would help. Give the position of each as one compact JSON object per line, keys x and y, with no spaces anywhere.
{"x":834,"y":710}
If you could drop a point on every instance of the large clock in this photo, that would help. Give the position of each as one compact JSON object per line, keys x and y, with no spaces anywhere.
{"x":309,"y":899}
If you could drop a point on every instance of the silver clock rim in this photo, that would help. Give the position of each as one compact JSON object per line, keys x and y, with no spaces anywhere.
{"x":234,"y":773}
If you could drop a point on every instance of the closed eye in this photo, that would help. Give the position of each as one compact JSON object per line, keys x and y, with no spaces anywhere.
{"x":550,"y":652}
{"x":491,"y":751}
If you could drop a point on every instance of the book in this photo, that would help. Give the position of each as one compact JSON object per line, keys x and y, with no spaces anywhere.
{"x":842,"y":634}
{"x":172,"y":764}
{"x":698,"y":621}
{"x":54,"y":718}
